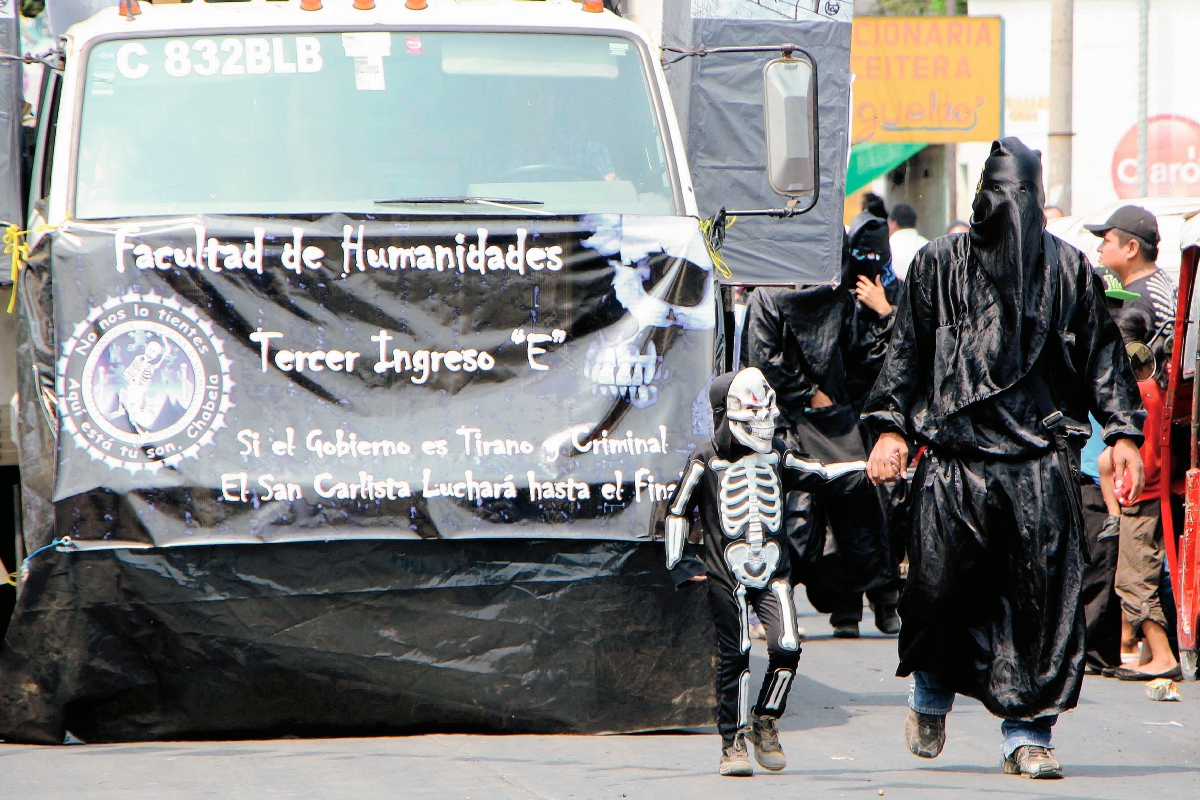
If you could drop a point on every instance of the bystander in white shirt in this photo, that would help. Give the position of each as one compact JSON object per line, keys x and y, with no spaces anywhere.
{"x":905,"y":243}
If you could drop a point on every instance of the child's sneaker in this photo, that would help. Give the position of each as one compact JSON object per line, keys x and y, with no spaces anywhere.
{"x":1111,"y":529}
{"x":735,"y":759}
{"x":767,"y":750}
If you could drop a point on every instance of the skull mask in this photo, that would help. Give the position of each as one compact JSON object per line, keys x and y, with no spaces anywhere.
{"x":751,"y":410}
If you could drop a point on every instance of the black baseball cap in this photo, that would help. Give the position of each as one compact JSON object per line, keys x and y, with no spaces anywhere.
{"x":1131,"y":219}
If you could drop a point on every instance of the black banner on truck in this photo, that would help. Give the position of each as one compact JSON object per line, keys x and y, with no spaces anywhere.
{"x":234,"y":379}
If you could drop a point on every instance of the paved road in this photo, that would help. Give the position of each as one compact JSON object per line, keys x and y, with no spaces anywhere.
{"x":843,"y":734}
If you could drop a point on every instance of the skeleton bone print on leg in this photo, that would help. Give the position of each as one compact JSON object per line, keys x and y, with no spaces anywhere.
{"x":750,"y":502}
{"x":743,"y":617}
{"x":744,"y":700}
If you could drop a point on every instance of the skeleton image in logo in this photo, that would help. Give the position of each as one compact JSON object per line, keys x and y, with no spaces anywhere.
{"x":143,"y":382}
{"x":142,"y":411}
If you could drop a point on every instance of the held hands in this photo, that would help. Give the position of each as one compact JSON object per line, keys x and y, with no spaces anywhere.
{"x":1129,"y":474}
{"x":871,"y":295}
{"x":889,"y":458}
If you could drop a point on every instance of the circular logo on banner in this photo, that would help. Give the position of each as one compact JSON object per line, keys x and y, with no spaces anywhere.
{"x":1172,"y":159}
{"x":143,"y":382}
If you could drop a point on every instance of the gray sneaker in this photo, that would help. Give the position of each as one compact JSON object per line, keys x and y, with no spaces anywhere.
{"x":765,"y":737}
{"x":887,"y":620}
{"x":735,"y":758}
{"x":1033,"y":761}
{"x":925,"y":734}
{"x":1111,"y":529}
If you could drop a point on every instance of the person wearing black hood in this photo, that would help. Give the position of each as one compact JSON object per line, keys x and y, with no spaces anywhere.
{"x":821,"y":350}
{"x":868,"y":276}
{"x":1002,"y":346}
{"x":735,"y":483}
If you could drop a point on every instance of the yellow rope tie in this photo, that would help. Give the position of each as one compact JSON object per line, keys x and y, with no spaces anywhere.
{"x":16,"y":248}
{"x":13,"y":246}
{"x":718,"y":261}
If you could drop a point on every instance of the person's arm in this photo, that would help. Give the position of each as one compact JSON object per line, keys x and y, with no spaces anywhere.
{"x":872,"y":295}
{"x":801,"y":473}
{"x":1107,"y":491}
{"x":1112,"y":390}
{"x":680,"y":508}
{"x":871,"y":329}
{"x":599,"y":161}
{"x":888,"y":403}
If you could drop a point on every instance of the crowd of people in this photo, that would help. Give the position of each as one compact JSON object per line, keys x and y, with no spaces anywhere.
{"x":958,"y":438}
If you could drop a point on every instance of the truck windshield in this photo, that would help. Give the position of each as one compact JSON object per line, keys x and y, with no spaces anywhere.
{"x":329,"y":122}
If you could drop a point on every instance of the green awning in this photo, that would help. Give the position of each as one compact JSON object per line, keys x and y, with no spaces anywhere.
{"x":869,"y":160}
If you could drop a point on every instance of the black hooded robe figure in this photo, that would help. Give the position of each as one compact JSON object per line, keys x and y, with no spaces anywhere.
{"x":868,"y":254}
{"x":736,"y":483}
{"x":802,"y":340}
{"x":1002,"y":345}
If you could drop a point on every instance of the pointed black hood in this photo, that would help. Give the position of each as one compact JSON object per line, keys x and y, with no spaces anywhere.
{"x":1006,"y":252}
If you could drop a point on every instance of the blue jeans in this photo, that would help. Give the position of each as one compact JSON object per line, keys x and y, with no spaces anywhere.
{"x":927,"y":696}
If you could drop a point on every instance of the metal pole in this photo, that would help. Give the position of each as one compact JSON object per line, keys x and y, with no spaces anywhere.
{"x":1062,"y":47}
{"x":1143,"y":93}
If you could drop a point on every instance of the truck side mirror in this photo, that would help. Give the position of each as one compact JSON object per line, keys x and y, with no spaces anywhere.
{"x":789,"y":104}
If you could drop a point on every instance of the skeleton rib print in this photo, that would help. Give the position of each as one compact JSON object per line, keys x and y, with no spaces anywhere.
{"x":750,"y":495}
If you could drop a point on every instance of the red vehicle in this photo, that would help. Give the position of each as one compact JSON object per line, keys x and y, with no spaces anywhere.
{"x":1180,"y":439}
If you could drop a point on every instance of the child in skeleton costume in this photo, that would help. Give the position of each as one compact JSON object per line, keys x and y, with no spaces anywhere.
{"x":737,"y":483}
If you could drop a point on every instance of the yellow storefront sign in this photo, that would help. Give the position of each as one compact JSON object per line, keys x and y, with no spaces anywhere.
{"x":927,"y":79}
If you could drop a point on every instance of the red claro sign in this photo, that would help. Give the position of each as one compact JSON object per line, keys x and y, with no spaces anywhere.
{"x":1172,"y":154}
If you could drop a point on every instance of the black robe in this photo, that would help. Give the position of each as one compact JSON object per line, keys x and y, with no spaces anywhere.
{"x":992,"y":602}
{"x":803,"y":340}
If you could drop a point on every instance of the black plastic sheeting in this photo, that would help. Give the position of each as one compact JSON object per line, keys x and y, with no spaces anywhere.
{"x":355,"y":637}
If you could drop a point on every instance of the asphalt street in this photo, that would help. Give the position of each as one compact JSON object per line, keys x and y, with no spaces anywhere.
{"x":843,"y":735}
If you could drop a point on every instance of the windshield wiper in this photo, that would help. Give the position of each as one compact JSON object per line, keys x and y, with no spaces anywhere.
{"x":463,"y":199}
{"x":498,"y":202}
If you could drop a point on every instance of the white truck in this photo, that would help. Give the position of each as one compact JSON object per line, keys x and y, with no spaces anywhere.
{"x":358,"y":343}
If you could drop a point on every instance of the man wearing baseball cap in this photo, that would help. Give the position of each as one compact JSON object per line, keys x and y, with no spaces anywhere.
{"x":1129,"y":247}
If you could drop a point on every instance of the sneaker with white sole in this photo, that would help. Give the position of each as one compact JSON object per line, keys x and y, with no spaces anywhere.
{"x":1033,"y":761}
{"x":735,"y":758}
{"x":765,"y":738}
